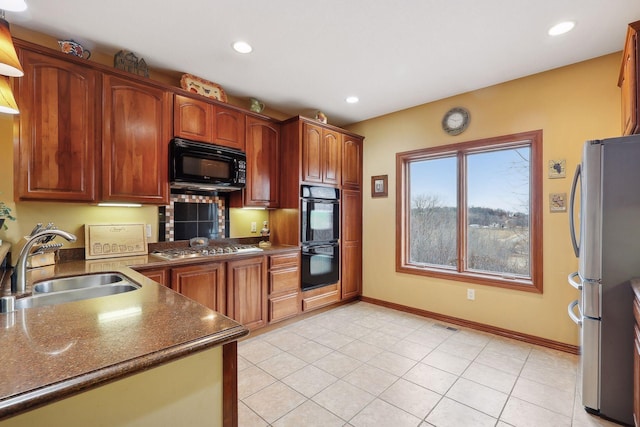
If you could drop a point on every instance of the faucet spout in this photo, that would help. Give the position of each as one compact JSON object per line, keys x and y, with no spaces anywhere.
{"x":19,"y":277}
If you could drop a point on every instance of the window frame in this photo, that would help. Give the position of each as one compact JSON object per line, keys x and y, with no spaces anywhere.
{"x":460,"y":150}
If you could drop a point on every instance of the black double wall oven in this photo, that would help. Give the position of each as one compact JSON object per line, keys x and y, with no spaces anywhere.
{"x":320,"y":234}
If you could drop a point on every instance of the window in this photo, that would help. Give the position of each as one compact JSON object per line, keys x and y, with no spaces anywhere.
{"x":472,"y":211}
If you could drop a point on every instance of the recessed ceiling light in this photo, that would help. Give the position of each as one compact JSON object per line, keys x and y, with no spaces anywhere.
{"x":242,"y":47}
{"x":13,"y":5}
{"x":561,"y":28}
{"x":352,"y":99}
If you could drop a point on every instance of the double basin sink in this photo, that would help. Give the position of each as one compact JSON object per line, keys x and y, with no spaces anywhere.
{"x":75,"y":288}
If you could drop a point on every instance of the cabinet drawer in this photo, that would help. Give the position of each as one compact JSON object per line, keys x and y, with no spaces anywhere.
{"x":284,"y":280}
{"x":284,"y":260}
{"x":283,"y":307}
{"x":320,"y":300}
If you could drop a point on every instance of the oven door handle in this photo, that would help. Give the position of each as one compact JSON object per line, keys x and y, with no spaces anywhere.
{"x":310,"y":249}
{"x":322,"y":201}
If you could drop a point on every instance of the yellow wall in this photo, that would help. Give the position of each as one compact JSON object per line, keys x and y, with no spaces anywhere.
{"x":240,"y":221}
{"x":186,"y":392}
{"x":570,"y":104}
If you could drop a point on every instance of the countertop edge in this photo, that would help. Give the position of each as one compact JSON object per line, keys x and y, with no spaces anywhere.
{"x":30,"y":400}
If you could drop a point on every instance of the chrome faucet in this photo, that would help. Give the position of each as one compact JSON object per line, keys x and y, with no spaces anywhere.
{"x":19,"y":277}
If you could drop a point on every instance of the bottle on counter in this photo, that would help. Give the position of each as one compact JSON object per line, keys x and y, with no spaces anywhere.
{"x":265,"y":232}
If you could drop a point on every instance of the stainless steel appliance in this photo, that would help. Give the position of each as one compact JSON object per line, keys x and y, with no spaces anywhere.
{"x":199,"y":166}
{"x":320,"y":233}
{"x":608,"y":248}
{"x":204,"y":251}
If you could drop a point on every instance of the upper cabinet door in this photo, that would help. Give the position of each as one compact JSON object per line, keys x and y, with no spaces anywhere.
{"x":262,"y":163}
{"x":192,"y":119}
{"x":629,"y":81}
{"x":311,"y":153}
{"x":351,"y":162}
{"x":228,"y":128}
{"x":331,"y":149}
{"x":136,"y":134}
{"x":320,"y":154}
{"x":56,"y":151}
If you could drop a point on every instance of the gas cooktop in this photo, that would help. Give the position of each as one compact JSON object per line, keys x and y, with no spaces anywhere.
{"x":206,"y":251}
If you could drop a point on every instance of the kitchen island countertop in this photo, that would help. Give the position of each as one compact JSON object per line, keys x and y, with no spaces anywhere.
{"x":53,"y":352}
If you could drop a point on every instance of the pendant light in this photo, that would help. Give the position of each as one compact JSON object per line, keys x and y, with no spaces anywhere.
{"x":7,"y":101}
{"x":9,"y":63}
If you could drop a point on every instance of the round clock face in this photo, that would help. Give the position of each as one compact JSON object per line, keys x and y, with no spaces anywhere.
{"x":455,"y":121}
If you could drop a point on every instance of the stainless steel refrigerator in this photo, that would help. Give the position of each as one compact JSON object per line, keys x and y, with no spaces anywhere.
{"x":607,"y":243}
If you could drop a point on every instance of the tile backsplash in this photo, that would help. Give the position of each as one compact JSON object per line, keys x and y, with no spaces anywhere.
{"x":190,"y":215}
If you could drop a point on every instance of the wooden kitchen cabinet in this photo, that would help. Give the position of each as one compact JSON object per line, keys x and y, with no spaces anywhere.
{"x":136,"y":132}
{"x":302,"y":141}
{"x":284,"y":286}
{"x":263,"y":178}
{"x":192,"y":119}
{"x":228,"y":128}
{"x":55,"y":154}
{"x":160,"y":275}
{"x":203,"y":283}
{"x":201,"y":120}
{"x":351,"y":162}
{"x":321,"y":150}
{"x":247,"y":291}
{"x":351,"y":244}
{"x":629,"y":80}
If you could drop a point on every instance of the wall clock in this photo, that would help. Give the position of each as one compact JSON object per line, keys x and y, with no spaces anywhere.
{"x":456,"y":120}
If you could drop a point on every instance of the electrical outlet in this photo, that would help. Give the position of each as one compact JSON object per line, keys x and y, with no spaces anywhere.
{"x":148,"y":229}
{"x":471,"y":294}
{"x":253,"y":227}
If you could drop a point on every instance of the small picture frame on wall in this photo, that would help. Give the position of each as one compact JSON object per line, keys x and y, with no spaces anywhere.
{"x":558,"y":202}
{"x":557,"y":168}
{"x":379,"y":186}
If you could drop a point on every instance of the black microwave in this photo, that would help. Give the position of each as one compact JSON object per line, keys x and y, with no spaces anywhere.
{"x":201,"y":166}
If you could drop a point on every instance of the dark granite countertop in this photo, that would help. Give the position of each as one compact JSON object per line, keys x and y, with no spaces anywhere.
{"x":52,"y":352}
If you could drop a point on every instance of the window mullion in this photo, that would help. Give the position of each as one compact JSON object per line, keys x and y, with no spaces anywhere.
{"x":462,"y":211}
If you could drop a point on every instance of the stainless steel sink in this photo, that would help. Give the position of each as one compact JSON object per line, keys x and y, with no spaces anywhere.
{"x":78,"y":282}
{"x":69,"y":289}
{"x":39,"y":300}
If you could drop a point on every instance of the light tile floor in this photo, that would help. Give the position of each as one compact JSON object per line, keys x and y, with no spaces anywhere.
{"x":365,"y":365}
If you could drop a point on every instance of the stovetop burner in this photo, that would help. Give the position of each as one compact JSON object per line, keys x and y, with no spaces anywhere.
{"x":207,"y":251}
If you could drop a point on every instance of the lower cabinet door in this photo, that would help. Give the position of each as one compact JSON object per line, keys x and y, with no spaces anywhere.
{"x":204,"y":283}
{"x":247,"y":292}
{"x":157,"y":274}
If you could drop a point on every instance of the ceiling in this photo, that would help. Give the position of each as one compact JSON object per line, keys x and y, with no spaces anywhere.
{"x":310,"y":55}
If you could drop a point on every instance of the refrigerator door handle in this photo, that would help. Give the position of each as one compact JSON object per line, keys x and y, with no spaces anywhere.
{"x":572,"y":199}
{"x":572,"y":314}
{"x":572,"y":282}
